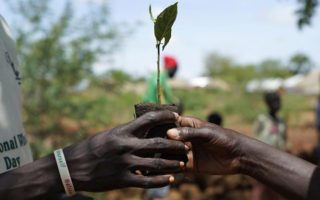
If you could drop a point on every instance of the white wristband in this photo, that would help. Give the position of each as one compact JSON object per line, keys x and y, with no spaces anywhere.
{"x":64,"y":172}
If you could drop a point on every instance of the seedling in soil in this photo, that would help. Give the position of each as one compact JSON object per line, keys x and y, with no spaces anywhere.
{"x":162,"y":31}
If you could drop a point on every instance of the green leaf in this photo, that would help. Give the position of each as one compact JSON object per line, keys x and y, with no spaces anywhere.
{"x":151,"y":16}
{"x":164,"y":22}
{"x":167,"y":39}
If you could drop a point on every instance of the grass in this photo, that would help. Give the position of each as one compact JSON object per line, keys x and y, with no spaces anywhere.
{"x":239,"y":106}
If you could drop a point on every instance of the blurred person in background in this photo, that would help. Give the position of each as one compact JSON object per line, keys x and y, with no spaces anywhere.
{"x":169,"y":71}
{"x":270,"y":129}
{"x":215,"y":118}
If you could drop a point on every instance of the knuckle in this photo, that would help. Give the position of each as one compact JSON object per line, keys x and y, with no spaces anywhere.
{"x":205,"y":130}
{"x":151,"y":117}
{"x":158,"y":164}
{"x":158,"y":141}
{"x":232,"y":139}
{"x":120,"y":130}
{"x":187,"y":131}
{"x":146,"y":184}
{"x":132,"y":165}
{"x":121,"y":146}
{"x":179,"y":147}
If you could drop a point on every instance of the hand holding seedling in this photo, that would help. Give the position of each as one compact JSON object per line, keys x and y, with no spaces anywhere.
{"x":105,"y":161}
{"x":110,"y":159}
{"x":216,"y":150}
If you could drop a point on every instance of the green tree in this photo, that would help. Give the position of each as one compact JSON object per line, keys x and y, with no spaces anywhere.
{"x":112,"y":81}
{"x":119,"y":76}
{"x":216,"y":63}
{"x":273,"y":68}
{"x":223,"y":67}
{"x":300,"y":64}
{"x":305,"y":12}
{"x":56,"y":51}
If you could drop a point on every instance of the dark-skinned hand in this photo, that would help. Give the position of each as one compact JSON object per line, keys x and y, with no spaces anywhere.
{"x":110,"y":159}
{"x":213,"y":148}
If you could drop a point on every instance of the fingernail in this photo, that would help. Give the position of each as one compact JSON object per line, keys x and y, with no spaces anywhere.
{"x":186,"y":147}
{"x":138,"y":172}
{"x":171,"y":179}
{"x":181,"y":164}
{"x":173,"y":133}
{"x":176,"y":115}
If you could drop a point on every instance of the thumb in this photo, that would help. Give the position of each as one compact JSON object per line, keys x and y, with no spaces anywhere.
{"x":186,"y":134}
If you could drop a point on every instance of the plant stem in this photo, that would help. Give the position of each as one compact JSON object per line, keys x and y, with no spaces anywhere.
{"x":158,"y":74}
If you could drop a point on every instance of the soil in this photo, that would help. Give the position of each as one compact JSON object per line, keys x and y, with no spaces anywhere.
{"x":158,"y":131}
{"x":143,"y":108}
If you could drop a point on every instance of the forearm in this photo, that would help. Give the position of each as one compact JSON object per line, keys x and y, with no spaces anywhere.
{"x":285,"y":173}
{"x":36,"y":180}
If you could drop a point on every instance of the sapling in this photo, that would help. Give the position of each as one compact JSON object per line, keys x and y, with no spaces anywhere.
{"x":162,"y":31}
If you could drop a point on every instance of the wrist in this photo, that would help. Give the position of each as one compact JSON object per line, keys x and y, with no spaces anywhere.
{"x":44,"y":178}
{"x":64,"y":172}
{"x":51,"y":174}
{"x":247,"y":162}
{"x":74,"y":162}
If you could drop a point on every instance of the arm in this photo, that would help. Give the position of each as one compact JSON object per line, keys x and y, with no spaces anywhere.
{"x":215,"y":150}
{"x":285,"y":173}
{"x":106,"y":161}
{"x":36,"y":180}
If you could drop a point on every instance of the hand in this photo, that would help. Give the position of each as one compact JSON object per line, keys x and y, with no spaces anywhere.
{"x":214,"y":150}
{"x":109,"y":159}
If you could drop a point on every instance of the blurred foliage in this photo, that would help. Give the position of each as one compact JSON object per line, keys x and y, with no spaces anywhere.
{"x":305,"y":12}
{"x":223,"y":67}
{"x":112,"y":79}
{"x":119,"y":76}
{"x":300,"y":64}
{"x":57,"y":48}
{"x":273,"y":68}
